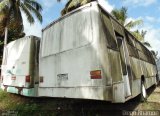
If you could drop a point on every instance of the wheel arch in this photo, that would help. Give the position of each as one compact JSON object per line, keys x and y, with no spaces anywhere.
{"x":143,"y":79}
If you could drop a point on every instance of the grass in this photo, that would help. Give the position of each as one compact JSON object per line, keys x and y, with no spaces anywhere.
{"x":25,"y":106}
{"x":17,"y":103}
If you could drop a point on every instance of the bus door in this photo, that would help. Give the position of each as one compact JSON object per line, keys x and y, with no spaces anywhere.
{"x":122,"y":50}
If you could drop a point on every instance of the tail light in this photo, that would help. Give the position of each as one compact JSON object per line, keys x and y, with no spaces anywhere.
{"x":41,"y":79}
{"x":28,"y":79}
{"x":96,"y":74}
{"x":13,"y":78}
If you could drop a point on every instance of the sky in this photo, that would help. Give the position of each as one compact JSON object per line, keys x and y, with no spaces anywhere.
{"x":147,"y":10}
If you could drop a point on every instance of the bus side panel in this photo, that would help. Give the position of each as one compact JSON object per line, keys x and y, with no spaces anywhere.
{"x":151,"y":74}
{"x":136,"y":68}
{"x":136,"y":72}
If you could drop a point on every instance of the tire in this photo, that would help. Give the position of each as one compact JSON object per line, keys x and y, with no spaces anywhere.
{"x":143,"y":96}
{"x":157,"y":80}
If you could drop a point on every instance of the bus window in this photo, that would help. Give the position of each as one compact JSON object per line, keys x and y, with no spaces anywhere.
{"x":108,"y":31}
{"x":130,"y":39}
{"x":117,"y":27}
{"x":144,"y":53}
{"x":131,"y":45}
{"x":122,"y":53}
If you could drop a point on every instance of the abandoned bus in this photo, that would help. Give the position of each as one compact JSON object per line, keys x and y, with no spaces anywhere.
{"x":87,"y":54}
{"x":20,"y":66}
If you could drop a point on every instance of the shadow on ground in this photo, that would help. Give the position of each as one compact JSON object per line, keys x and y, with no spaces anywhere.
{"x":70,"y":107}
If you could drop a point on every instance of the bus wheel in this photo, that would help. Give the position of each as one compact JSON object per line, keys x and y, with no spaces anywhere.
{"x":157,"y":80}
{"x":143,"y":92}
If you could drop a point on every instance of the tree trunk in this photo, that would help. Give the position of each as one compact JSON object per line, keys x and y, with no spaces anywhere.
{"x":6,"y":36}
{"x":4,"y":49}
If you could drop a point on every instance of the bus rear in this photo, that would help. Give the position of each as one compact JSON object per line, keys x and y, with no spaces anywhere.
{"x":20,"y":66}
{"x":74,"y":59}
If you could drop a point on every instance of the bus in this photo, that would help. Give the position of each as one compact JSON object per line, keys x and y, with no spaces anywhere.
{"x":20,"y":66}
{"x":87,"y":54}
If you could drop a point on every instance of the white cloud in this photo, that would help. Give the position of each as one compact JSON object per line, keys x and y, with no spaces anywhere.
{"x":34,"y":29}
{"x":134,"y":19}
{"x":140,"y":2}
{"x":153,"y":37}
{"x":152,"y":19}
{"x":48,"y":3}
{"x":51,"y":3}
{"x":106,"y":5}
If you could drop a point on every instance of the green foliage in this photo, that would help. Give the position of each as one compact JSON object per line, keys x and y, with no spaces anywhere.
{"x":3,"y":95}
{"x":72,"y":4}
{"x":26,"y":109}
{"x":10,"y":15}
{"x":120,"y":15}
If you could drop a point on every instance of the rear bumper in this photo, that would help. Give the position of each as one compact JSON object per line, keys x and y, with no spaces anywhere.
{"x":94,"y":93}
{"x":30,"y":92}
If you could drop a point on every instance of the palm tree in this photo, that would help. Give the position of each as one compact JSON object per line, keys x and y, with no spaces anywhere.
{"x":10,"y":13}
{"x":121,"y":16}
{"x":72,"y":4}
{"x":11,"y":18}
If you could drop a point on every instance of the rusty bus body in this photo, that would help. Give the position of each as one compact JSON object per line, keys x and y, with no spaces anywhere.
{"x":87,"y":54}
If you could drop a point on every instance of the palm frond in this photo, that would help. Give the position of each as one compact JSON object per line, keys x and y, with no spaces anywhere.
{"x":36,"y":12}
{"x":133,"y":24}
{"x":34,"y":4}
{"x":4,"y":4}
{"x":28,"y":14}
{"x":147,"y":44}
{"x":120,"y":14}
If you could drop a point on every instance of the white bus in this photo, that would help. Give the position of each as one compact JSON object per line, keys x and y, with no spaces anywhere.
{"x":87,"y":54}
{"x":20,"y":66}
